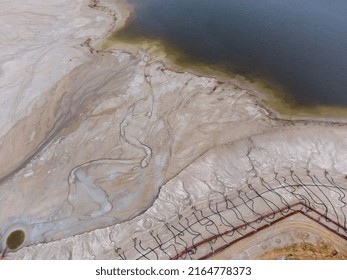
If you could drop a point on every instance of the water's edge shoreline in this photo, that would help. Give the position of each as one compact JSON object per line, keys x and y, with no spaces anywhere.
{"x":269,"y":95}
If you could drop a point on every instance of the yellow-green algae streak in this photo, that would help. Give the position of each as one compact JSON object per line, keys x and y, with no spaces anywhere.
{"x":274,"y":97}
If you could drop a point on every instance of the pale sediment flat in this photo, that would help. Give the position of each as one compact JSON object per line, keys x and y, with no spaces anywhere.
{"x":99,"y":147}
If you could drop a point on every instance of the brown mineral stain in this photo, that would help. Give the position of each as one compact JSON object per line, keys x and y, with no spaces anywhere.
{"x":305,"y":251}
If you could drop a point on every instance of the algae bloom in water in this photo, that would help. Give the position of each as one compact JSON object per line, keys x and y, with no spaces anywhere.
{"x":15,"y":239}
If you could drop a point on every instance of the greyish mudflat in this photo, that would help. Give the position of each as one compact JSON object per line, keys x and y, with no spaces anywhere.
{"x":109,"y":153}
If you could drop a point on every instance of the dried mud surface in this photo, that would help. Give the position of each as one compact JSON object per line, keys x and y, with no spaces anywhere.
{"x":108,"y":154}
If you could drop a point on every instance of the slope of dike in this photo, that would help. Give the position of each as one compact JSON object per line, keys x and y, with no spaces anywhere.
{"x":102,"y":149}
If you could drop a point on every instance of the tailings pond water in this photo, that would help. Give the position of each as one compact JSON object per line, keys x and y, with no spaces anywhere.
{"x":299,"y":44}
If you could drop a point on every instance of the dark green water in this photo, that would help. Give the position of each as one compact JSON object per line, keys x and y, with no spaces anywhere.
{"x":300,"y":44}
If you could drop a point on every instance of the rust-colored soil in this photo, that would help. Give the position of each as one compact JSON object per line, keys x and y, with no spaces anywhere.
{"x":305,"y":251}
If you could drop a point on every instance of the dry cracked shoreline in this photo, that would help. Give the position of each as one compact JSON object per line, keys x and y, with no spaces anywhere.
{"x":106,"y":154}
